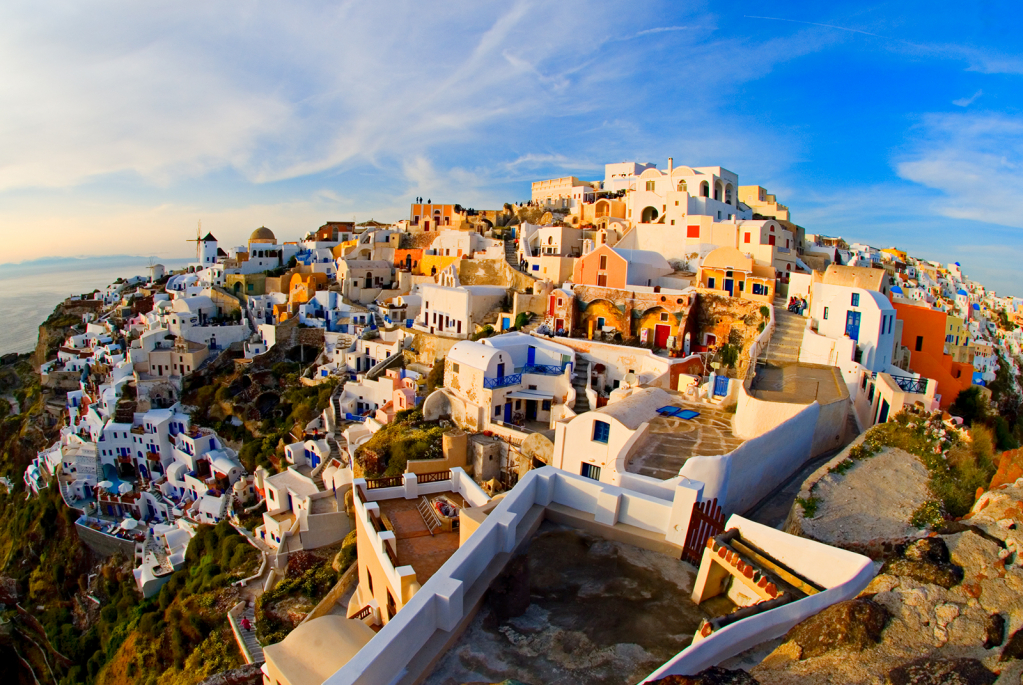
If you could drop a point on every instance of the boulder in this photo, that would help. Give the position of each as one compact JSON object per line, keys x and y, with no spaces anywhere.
{"x":712,"y":676}
{"x":852,"y":625}
{"x":926,"y":561}
{"x":937,"y":671}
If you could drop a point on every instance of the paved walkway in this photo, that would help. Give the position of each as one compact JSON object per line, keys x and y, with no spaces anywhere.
{"x":669,"y":442}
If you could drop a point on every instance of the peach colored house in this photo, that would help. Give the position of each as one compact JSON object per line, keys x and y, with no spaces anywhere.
{"x":602,"y":267}
{"x":732,"y":273}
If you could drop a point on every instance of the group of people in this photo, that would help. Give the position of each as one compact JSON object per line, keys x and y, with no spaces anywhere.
{"x":797,"y":305}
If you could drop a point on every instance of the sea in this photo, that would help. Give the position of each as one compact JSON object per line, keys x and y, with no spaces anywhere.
{"x":30,"y":290}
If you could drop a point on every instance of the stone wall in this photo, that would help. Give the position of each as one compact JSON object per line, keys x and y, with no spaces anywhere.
{"x":493,"y":272}
{"x":103,"y":544}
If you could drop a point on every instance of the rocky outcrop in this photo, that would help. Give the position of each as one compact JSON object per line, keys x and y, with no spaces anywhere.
{"x":852,"y":626}
{"x":954,"y":602}
{"x":712,"y":676}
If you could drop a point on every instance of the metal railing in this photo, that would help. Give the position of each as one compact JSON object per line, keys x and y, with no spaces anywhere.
{"x":914,"y":386}
{"x":502,"y":381}
{"x":544,"y":369}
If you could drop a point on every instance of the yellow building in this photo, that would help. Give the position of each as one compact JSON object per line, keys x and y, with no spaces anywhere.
{"x":957,"y":340}
{"x":896,"y":254}
{"x":763,"y":203}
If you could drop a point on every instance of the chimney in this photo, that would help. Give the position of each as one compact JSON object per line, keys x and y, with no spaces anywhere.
{"x":671,"y":165}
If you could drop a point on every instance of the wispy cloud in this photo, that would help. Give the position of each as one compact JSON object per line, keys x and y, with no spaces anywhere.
{"x":812,"y":23}
{"x":661,"y":29}
{"x":966,"y":102}
{"x":974,"y":161}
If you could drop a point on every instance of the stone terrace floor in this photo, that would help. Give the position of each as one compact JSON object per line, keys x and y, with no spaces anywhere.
{"x":416,"y":547}
{"x":581,"y":610}
{"x":670,"y":442}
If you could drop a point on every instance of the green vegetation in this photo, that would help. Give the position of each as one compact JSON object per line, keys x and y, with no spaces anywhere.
{"x":406,"y":438}
{"x":485,"y":332}
{"x":958,"y":466}
{"x":765,"y":311}
{"x":928,"y":515}
{"x":522,"y":320}
{"x":1004,"y":419}
{"x":809,"y":506}
{"x":310,"y":577}
{"x":435,"y":379}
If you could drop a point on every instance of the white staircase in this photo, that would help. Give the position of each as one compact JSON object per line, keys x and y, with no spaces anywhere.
{"x":788,"y":335}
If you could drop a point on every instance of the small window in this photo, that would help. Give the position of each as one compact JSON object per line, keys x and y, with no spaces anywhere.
{"x":546,"y":406}
{"x":650,"y":185}
{"x":601,"y":431}
{"x":603,"y":261}
{"x":825,"y":313}
{"x":692,"y":231}
{"x":745,"y":238}
{"x":664,"y":316}
{"x":856,"y":299}
{"x":710,"y":283}
{"x":590,"y":471}
{"x":919,"y":343}
{"x":497,"y":410}
{"x":454,"y":367}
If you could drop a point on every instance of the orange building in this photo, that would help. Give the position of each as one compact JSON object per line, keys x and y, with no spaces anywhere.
{"x":923,"y":334}
{"x":432,"y":217}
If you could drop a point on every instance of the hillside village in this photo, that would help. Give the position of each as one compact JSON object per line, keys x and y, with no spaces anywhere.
{"x":424,"y":435}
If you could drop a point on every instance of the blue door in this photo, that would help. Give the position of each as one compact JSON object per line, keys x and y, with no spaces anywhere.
{"x":730,"y":286}
{"x":720,"y":386}
{"x":852,"y":325}
{"x":507,"y":412}
{"x":531,"y":360}
{"x":500,"y":371}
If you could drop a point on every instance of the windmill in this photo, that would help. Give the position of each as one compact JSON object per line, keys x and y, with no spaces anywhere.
{"x":197,"y":240}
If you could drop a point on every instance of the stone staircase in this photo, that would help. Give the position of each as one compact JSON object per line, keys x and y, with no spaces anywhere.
{"x":251,"y":643}
{"x":582,"y":372}
{"x":788,"y":335}
{"x":510,"y":255}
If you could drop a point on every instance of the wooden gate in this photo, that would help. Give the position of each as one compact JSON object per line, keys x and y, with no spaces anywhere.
{"x":707,"y":521}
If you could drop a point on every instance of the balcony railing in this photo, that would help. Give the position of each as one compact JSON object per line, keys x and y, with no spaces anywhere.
{"x":502,"y":381}
{"x":915,"y":386}
{"x":435,"y":477}
{"x":544,"y":369}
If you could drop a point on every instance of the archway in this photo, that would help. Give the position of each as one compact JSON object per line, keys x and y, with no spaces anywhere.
{"x":717,"y":191}
{"x":682,"y":187}
{"x":728,"y":194}
{"x":649,"y":215}
{"x":602,"y":208}
{"x":704,"y":189}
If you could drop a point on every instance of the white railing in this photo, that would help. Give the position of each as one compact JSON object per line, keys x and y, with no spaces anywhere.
{"x":759,"y":345}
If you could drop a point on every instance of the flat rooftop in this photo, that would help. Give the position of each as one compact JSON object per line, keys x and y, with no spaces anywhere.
{"x":799,"y":383}
{"x":670,"y":441}
{"x":425,"y":553}
{"x":578,"y":609}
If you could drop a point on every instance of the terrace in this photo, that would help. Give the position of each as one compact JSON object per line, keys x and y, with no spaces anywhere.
{"x":417,"y":547}
{"x":594,"y":611}
{"x":670,"y":441}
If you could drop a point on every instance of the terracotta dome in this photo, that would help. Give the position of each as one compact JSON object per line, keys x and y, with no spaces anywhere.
{"x":262,"y":235}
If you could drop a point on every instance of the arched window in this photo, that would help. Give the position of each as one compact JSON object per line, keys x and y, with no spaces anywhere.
{"x":717,"y":191}
{"x":728,"y":194}
{"x":649,"y":215}
{"x":704,"y":189}
{"x":682,"y":187}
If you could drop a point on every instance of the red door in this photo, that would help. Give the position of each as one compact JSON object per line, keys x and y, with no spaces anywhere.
{"x":661,"y":334}
{"x":550,"y":309}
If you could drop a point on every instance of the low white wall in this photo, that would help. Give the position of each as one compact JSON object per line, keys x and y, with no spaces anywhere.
{"x":746,"y":475}
{"x":438,"y":605}
{"x":843,"y":573}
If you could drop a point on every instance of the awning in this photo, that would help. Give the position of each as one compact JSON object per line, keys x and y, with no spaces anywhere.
{"x":529,"y":395}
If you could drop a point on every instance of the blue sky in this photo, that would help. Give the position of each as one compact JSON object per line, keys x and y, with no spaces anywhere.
{"x":123,"y":124}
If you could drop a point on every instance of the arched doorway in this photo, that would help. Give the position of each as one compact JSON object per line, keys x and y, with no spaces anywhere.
{"x":704,"y":189}
{"x":649,"y":215}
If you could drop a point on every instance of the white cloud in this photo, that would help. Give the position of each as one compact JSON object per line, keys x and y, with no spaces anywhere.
{"x":966,"y":102}
{"x":975,"y":162}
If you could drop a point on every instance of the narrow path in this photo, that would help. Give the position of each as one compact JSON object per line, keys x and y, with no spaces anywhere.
{"x":251,"y":643}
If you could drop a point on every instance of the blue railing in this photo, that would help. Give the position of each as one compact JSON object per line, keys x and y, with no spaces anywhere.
{"x":544,"y":369}
{"x":502,"y":381}
{"x":354,"y":417}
